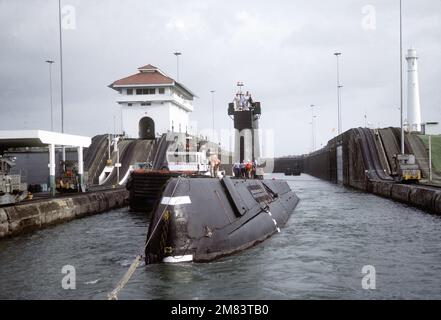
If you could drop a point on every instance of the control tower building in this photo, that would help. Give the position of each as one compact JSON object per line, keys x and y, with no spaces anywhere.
{"x":152,"y":103}
{"x":245,"y":114}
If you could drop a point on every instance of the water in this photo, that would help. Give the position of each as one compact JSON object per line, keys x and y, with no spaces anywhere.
{"x":332,"y":234}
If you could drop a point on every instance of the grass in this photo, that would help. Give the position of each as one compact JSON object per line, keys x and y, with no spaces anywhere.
{"x":436,"y":149}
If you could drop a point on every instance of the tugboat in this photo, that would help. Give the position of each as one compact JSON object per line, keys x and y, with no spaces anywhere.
{"x":200,"y":219}
{"x":178,"y":154}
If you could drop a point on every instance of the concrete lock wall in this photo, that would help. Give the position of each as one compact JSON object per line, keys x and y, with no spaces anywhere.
{"x":323,"y":164}
{"x":22,"y":218}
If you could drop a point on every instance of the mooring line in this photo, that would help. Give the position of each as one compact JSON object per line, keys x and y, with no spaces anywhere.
{"x":122,"y":283}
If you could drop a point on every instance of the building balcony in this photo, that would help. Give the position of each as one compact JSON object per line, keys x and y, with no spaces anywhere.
{"x":185,"y":104}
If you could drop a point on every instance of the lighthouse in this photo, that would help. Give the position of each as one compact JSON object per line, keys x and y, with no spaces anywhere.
{"x":153,"y":103}
{"x":413,"y":93}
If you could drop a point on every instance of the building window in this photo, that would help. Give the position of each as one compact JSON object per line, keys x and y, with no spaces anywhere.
{"x":146,"y":104}
{"x":129,"y":92}
{"x":161,"y":90}
{"x":138,"y":91}
{"x":129,"y":104}
{"x":148,"y":91}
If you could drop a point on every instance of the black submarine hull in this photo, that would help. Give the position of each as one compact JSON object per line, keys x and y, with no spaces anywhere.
{"x":203,"y":219}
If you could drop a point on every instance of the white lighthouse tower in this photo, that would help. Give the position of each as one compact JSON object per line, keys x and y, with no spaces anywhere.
{"x":153,"y":103}
{"x":413,"y":93}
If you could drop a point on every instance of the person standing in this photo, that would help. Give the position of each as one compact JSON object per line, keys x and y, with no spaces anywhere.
{"x":249,"y":169}
{"x":237,"y":102}
{"x":242,"y":102}
{"x":247,"y":101}
{"x":236,"y":170}
{"x":243,"y":170}
{"x":214,"y":163}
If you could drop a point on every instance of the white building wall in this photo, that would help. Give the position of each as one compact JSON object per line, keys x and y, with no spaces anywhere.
{"x":179,"y":117}
{"x":160,"y":113}
{"x":169,"y":111}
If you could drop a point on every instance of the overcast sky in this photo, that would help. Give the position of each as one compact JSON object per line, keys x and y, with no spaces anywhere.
{"x":281,"y":50}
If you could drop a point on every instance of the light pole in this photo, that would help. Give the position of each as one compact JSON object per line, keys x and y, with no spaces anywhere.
{"x":177,"y":54}
{"x":61,"y":67}
{"x":50,"y":62}
{"x":401,"y":83}
{"x":212,"y":110}
{"x":63,"y":152}
{"x":313,"y":127}
{"x":337,"y":54}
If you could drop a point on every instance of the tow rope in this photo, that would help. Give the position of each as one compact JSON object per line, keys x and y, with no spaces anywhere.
{"x":114,"y":294}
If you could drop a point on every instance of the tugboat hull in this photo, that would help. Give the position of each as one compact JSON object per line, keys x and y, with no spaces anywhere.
{"x":202,"y":219}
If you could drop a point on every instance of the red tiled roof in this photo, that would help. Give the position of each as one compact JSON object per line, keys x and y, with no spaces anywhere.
{"x":146,"y":78}
{"x":149,"y":66}
{"x":149,"y":75}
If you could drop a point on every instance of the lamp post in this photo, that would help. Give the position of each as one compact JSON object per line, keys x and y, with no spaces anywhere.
{"x":212,"y":110}
{"x":63,"y":152}
{"x":337,"y":54}
{"x":177,"y":54}
{"x":313,"y":127}
{"x":50,"y":62}
{"x":61,"y":67}
{"x":401,"y":82}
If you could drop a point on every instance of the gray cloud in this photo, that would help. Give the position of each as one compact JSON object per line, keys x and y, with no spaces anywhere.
{"x":281,"y":50}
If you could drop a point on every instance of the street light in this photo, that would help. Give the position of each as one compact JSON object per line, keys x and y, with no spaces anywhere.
{"x":337,"y":54}
{"x":50,"y":62}
{"x":177,"y":54}
{"x":63,"y":149}
{"x":401,"y":82}
{"x":61,"y":67}
{"x":313,"y":127}
{"x":212,"y":109}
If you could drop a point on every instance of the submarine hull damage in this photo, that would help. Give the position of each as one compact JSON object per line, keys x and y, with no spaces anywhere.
{"x":203,"y":219}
